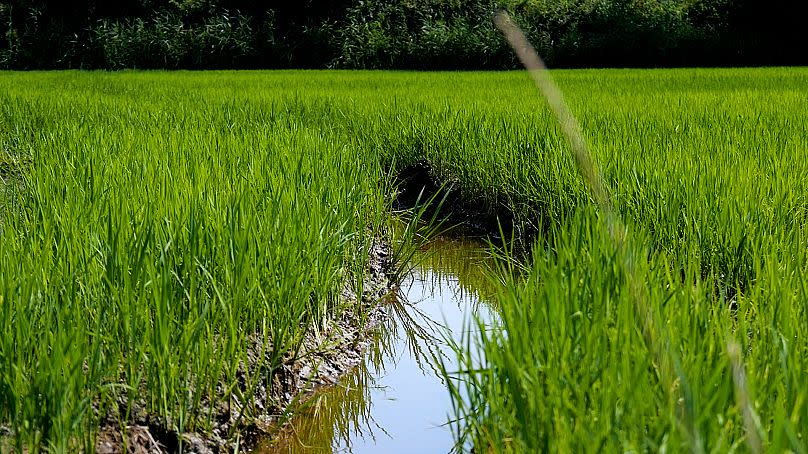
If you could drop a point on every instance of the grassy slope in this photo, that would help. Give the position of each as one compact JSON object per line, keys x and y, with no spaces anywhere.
{"x":165,"y":212}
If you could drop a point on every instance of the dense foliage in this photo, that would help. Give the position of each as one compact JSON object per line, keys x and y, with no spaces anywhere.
{"x":156,"y":235}
{"x":152,"y":225}
{"x":425,"y":34}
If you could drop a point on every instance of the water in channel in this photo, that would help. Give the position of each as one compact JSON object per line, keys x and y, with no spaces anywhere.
{"x":396,"y":401}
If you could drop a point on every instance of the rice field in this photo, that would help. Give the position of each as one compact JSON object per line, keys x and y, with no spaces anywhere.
{"x":159,"y":228}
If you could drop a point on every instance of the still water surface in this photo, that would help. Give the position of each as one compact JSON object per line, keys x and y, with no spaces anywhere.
{"x":396,"y":401}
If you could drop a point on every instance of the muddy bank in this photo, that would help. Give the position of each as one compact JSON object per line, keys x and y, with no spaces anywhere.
{"x":323,"y":360}
{"x":397,"y":401}
{"x":418,"y":184}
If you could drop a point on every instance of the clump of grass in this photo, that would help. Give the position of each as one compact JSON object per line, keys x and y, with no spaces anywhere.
{"x":412,"y":229}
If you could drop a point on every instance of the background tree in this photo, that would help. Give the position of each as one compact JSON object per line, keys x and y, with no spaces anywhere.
{"x":416,"y":34}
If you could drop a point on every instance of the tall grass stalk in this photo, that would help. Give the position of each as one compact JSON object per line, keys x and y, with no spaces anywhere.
{"x":630,"y":253}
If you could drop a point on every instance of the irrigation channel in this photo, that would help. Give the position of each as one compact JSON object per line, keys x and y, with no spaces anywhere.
{"x":396,"y":400}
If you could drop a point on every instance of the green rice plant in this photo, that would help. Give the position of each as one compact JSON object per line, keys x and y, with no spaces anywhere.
{"x":567,"y":369}
{"x":147,"y":256}
{"x":413,"y":229}
{"x":507,"y":404}
{"x":166,"y":226}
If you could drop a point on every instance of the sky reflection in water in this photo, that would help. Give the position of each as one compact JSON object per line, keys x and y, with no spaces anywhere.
{"x":396,"y":401}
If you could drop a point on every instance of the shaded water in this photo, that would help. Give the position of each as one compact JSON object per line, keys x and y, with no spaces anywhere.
{"x":396,"y":401}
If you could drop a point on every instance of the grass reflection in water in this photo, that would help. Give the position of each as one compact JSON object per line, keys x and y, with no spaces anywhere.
{"x":396,"y":401}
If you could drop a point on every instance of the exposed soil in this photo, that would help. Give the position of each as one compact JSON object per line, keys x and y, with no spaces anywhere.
{"x":418,"y":184}
{"x":323,"y":360}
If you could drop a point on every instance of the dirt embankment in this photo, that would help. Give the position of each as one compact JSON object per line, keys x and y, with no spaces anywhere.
{"x":323,"y":360}
{"x":418,"y":184}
